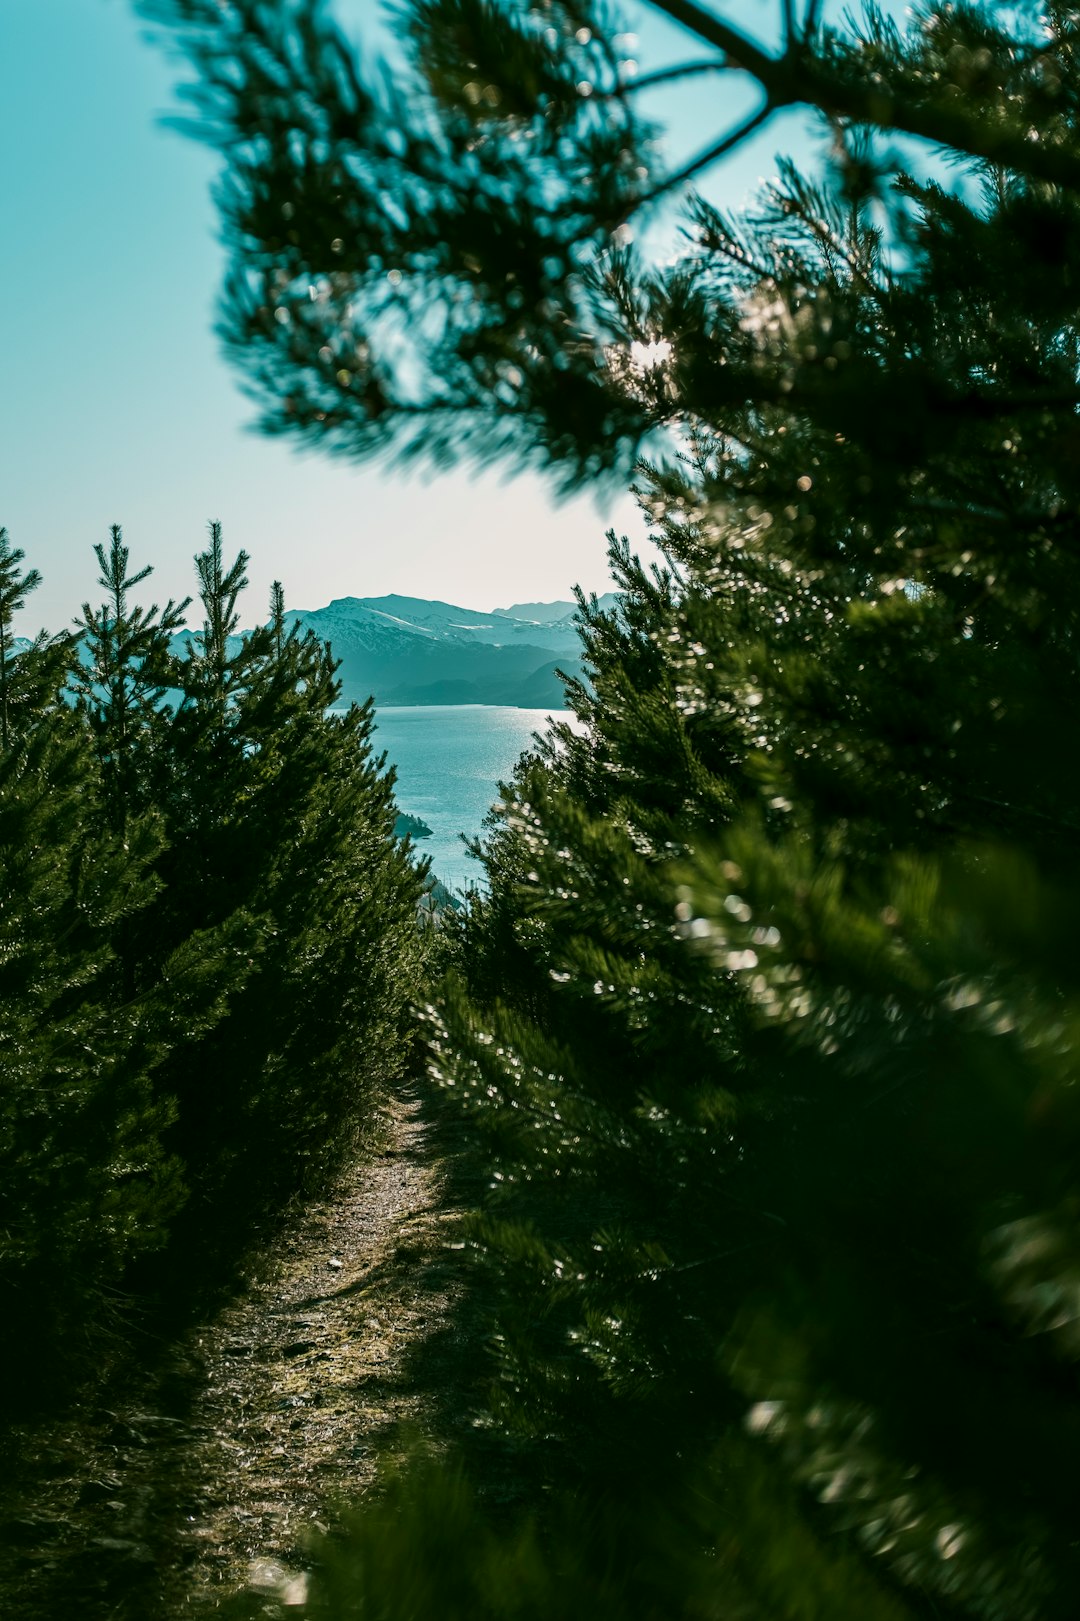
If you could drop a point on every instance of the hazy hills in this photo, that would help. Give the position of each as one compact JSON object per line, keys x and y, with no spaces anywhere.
{"x":406,"y":650}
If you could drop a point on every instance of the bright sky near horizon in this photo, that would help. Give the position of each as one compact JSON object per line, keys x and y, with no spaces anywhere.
{"x":117,"y":405}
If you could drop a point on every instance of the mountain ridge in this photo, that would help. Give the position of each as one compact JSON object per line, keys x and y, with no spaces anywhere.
{"x":417,"y":651}
{"x":414,"y":650}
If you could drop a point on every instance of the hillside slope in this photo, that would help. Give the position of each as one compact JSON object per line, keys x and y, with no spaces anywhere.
{"x":405,"y":650}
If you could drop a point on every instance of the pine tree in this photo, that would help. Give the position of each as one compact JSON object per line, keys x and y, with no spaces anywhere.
{"x":86,"y":1184}
{"x":899,"y":704}
{"x":13,"y":592}
{"x":122,"y":675}
{"x":208,"y":939}
{"x":879,"y":873}
{"x":277,"y":813}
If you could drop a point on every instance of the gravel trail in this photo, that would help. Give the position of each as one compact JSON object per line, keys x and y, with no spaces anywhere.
{"x":213,"y":1477}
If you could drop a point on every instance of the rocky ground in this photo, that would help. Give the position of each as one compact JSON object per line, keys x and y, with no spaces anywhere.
{"x":212,"y":1475}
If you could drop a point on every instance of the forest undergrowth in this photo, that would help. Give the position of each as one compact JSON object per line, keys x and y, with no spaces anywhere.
{"x":203,"y":1470}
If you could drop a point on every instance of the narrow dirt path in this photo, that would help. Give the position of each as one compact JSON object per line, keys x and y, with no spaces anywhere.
{"x":212,"y":1478}
{"x":302,"y":1375}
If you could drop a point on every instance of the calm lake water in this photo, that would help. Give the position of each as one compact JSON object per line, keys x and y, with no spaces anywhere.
{"x":450,"y":759}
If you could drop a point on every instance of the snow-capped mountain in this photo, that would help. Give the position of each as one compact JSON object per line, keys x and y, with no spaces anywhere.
{"x":406,"y":650}
{"x":392,"y":621}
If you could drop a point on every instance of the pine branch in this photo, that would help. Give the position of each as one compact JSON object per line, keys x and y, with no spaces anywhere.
{"x":798,"y":76}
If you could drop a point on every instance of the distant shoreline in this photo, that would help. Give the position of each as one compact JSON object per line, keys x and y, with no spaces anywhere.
{"x":537,"y":709}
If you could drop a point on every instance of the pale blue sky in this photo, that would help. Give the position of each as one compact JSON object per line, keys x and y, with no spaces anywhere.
{"x":117,"y":405}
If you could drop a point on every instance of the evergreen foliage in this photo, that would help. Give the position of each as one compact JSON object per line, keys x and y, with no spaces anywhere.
{"x":430,"y":260}
{"x":85,"y":1182}
{"x":771,"y":1013}
{"x":13,"y":592}
{"x":208,"y":937}
{"x":121,"y":676}
{"x":276,"y":807}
